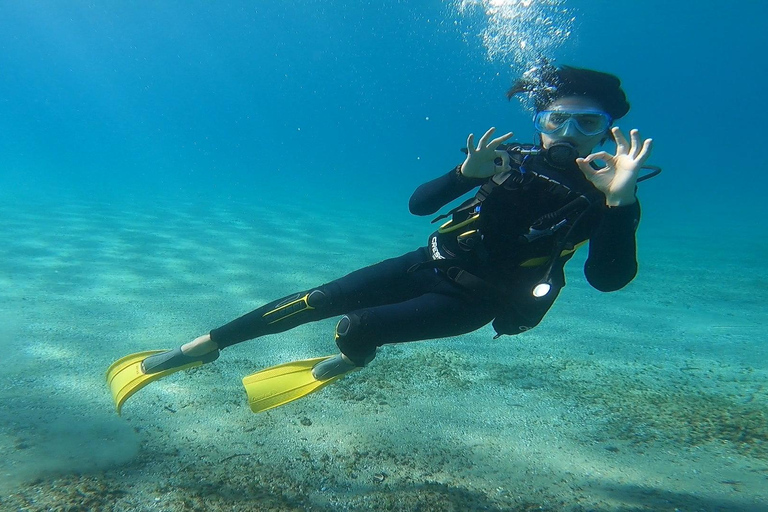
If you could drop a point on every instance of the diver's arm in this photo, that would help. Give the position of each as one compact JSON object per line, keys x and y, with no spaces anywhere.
{"x":481,"y":163}
{"x":435,"y":194}
{"x":612,"y":261}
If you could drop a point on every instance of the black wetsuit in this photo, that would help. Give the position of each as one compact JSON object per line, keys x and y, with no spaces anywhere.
{"x":424,"y":295}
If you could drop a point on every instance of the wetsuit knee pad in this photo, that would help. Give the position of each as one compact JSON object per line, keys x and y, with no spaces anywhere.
{"x":316,"y":298}
{"x":352,"y":341}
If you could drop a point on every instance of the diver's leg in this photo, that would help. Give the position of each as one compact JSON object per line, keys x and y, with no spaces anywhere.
{"x":434,"y":306}
{"x":385,"y":282}
{"x":445,"y":310}
{"x":277,"y":316}
{"x":442,"y":312}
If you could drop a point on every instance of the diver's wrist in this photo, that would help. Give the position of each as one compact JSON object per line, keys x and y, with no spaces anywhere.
{"x":614,"y":201}
{"x":459,"y":173}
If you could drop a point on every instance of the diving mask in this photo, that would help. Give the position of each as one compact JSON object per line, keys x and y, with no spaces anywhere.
{"x":588,"y":122}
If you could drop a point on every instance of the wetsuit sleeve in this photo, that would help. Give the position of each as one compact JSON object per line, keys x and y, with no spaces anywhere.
{"x":435,"y":194}
{"x":612,"y":261}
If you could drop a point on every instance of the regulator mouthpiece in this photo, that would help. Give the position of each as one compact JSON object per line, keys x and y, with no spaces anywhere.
{"x":561,"y":154}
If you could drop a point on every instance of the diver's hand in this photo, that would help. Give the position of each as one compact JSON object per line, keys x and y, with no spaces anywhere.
{"x":618,"y":178}
{"x":481,"y":160}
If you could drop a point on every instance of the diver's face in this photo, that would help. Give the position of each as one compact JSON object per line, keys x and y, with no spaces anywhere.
{"x":569,"y":132}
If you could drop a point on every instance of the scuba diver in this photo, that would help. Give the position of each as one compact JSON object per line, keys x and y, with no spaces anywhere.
{"x":499,"y":258}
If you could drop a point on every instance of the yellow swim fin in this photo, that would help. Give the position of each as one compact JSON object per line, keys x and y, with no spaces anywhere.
{"x":287,"y":382}
{"x":129,"y":374}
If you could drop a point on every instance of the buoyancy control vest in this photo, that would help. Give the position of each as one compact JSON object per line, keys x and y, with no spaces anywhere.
{"x":479,"y":248}
{"x":475,"y":234}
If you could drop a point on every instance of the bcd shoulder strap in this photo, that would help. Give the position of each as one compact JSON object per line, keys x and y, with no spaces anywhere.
{"x":482,"y":193}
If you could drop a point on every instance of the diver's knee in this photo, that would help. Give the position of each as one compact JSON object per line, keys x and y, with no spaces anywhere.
{"x":316,"y":298}
{"x":352,"y":341}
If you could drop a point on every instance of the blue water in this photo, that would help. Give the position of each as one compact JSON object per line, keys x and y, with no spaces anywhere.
{"x":332,"y":98}
{"x":133,"y":134}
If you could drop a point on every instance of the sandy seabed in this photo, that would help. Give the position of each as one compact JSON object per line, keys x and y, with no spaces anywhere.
{"x":651,"y":398}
